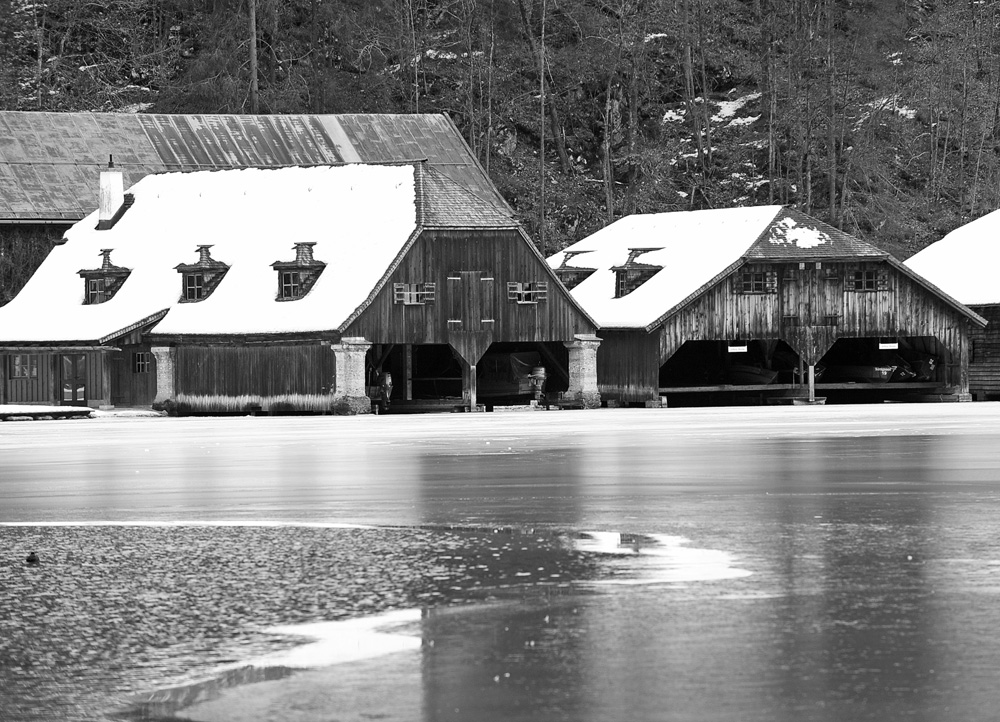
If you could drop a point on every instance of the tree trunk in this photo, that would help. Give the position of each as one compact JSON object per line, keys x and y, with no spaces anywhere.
{"x":254,"y":107}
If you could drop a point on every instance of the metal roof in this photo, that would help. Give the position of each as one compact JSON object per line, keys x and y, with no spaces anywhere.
{"x":49,"y":162}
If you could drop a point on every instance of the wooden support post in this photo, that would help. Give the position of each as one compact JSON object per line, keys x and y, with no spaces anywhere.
{"x":105,"y":359}
{"x":472,"y":388}
{"x":408,"y":370}
{"x":812,"y":383}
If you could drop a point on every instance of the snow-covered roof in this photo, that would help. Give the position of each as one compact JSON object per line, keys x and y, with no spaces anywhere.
{"x":359,"y":216}
{"x":695,"y":247}
{"x":963,"y":263}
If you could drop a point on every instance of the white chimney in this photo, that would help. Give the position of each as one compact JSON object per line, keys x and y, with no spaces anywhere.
{"x":112,"y":191}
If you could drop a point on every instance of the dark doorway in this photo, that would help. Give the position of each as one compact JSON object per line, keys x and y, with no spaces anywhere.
{"x":73,"y":378}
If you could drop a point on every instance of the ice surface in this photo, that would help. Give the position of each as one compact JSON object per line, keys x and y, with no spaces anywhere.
{"x":660,"y":558}
{"x":346,"y":641}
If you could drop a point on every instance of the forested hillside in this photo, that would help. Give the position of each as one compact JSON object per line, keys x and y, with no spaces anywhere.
{"x":879,"y":116}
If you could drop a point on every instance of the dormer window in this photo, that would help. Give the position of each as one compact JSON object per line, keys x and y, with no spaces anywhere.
{"x":101,"y":284}
{"x":573,"y":276}
{"x":633,"y":274}
{"x":201,"y":278}
{"x":194,"y":286}
{"x":296,"y":278}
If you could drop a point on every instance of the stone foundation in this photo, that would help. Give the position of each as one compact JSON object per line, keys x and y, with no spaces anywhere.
{"x":583,"y":371}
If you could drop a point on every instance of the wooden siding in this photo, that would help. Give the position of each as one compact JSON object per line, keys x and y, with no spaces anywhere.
{"x":809,"y":308}
{"x":39,"y":390}
{"x":129,"y":387}
{"x":984,"y":364}
{"x":263,"y":370}
{"x":46,"y":388}
{"x":480,"y":264}
{"x":628,"y":366}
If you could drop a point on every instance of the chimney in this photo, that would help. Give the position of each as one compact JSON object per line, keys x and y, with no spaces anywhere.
{"x":112,"y":192}
{"x":203,"y":255}
{"x":304,"y":252}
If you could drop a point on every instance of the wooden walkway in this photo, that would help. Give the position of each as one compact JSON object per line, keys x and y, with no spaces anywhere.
{"x":46,"y":413}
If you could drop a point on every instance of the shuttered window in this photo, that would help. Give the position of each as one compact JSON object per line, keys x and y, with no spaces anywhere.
{"x":527,"y":292}
{"x":414,"y":294}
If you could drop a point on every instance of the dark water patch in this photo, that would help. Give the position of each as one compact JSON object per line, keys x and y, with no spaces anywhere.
{"x":112,"y":612}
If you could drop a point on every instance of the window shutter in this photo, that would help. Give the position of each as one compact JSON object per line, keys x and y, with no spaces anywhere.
{"x":883,"y":280}
{"x":399,"y":293}
{"x":513,"y":291}
{"x":430,"y":292}
{"x":771,"y":281}
{"x":454,"y":301}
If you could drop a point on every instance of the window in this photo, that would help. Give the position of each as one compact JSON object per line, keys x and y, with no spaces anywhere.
{"x":101,"y":284}
{"x":140,"y":362}
{"x":527,"y":292}
{"x":413,"y":294}
{"x":97,"y":290}
{"x":758,"y":282}
{"x":865,"y":281}
{"x":573,"y":277}
{"x":194,"y":286}
{"x":755,"y":282}
{"x":290,"y":285}
{"x":24,"y":366}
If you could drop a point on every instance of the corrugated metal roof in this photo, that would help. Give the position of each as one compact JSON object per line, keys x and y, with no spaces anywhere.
{"x":49,"y":162}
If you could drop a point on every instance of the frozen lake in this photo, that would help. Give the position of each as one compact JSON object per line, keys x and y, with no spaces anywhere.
{"x":794,"y":563}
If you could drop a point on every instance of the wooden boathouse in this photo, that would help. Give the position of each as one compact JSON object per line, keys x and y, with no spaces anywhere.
{"x":963,"y":265}
{"x":301,"y":288}
{"x":762,"y":305}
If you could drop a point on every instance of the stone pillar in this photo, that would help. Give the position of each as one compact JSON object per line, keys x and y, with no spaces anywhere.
{"x":583,"y":370}
{"x":350,"y":394}
{"x":164,"y":356}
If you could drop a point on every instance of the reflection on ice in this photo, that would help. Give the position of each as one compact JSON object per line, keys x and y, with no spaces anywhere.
{"x":658,"y":558}
{"x":346,"y":641}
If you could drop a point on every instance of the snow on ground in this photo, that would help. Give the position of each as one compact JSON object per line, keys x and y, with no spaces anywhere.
{"x":729,"y":108}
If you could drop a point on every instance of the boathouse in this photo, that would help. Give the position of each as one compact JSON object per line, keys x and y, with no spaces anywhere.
{"x":301,"y":288}
{"x":762,"y":305}
{"x":963,"y":265}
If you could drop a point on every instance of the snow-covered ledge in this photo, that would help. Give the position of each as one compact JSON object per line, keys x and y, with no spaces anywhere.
{"x":583,"y":370}
{"x":349,"y":382}
{"x":164,"y":356}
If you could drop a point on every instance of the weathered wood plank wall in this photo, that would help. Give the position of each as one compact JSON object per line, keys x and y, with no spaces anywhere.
{"x":129,"y":388}
{"x":984,"y":363}
{"x":39,"y":390}
{"x":809,"y":308}
{"x":264,"y":369}
{"x":628,"y":366}
{"x":486,"y":313}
